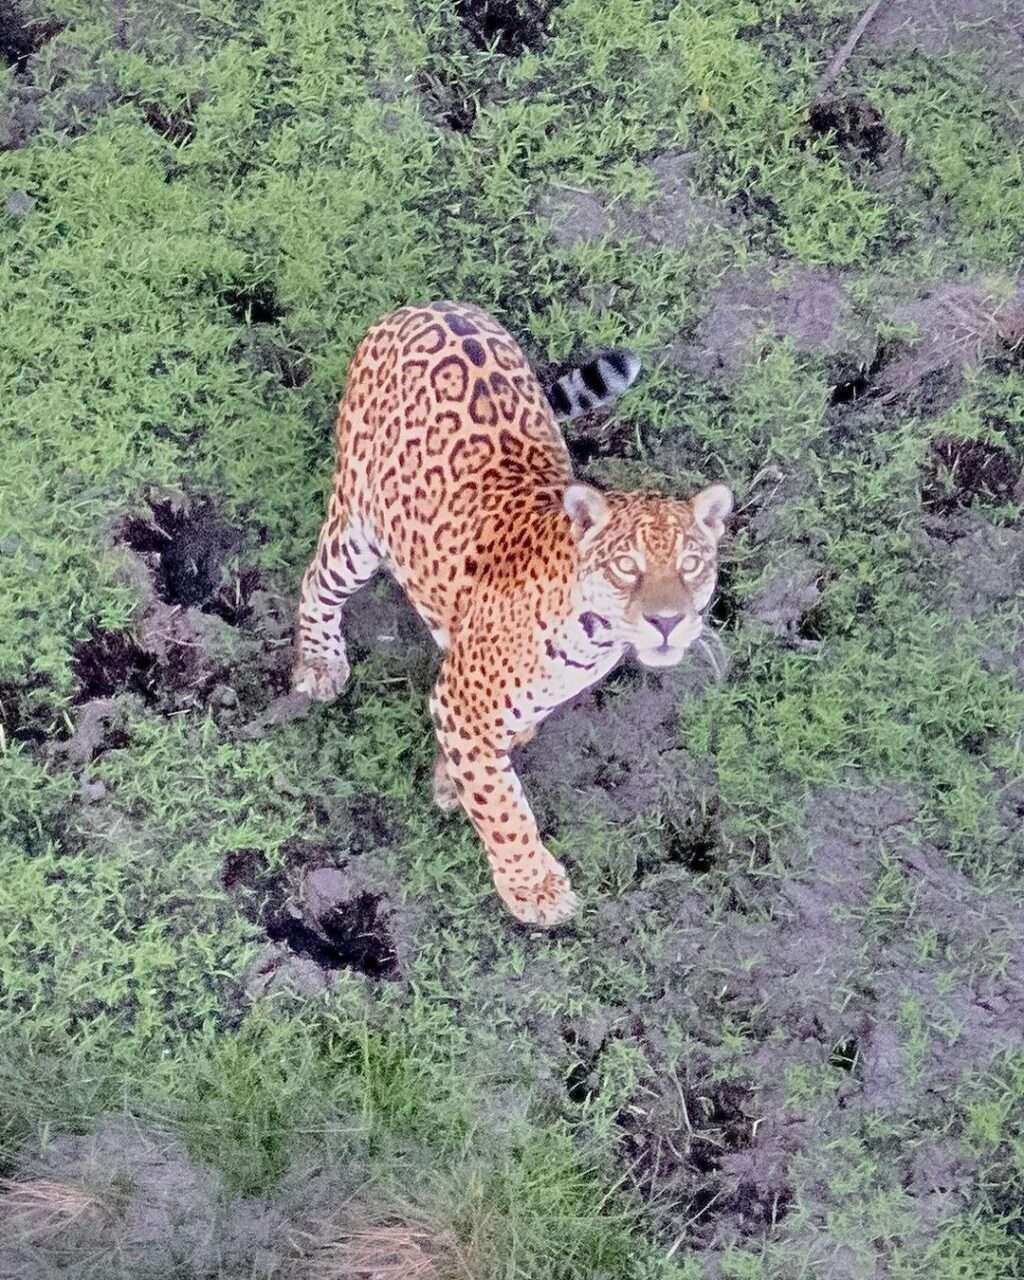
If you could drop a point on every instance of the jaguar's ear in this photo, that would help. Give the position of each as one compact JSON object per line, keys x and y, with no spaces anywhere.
{"x":586,"y":508}
{"x":710,"y":508}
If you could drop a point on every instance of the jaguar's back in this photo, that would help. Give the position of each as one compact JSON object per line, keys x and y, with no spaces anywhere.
{"x":446,"y":442}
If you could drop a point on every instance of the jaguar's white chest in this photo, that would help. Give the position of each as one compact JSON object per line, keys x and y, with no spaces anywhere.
{"x":573,"y":656}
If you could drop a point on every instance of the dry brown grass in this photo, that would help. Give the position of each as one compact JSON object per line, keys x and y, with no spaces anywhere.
{"x":385,"y":1250}
{"x":41,"y":1209}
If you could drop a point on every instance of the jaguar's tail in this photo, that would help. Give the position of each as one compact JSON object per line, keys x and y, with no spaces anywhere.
{"x":591,"y":385}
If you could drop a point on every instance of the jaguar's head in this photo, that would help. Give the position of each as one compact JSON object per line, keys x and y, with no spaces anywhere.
{"x":648,"y":566}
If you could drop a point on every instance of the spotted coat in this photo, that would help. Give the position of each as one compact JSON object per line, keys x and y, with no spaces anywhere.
{"x":452,"y":474}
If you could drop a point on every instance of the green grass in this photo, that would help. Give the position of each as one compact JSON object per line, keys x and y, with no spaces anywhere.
{"x":957,"y":132}
{"x":210,"y":236}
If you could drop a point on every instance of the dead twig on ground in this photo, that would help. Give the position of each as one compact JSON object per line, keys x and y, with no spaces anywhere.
{"x":843,"y":56}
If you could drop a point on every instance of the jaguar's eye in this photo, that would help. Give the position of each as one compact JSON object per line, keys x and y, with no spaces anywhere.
{"x":690,"y":565}
{"x":626,"y":566}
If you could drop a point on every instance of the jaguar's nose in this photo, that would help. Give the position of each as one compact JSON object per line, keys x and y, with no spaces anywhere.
{"x":665,"y":625}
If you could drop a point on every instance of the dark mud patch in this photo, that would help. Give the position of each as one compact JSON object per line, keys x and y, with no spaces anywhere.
{"x":352,"y":936}
{"x":252,"y":304}
{"x":725,"y":606}
{"x":235,"y":603}
{"x":177,"y":127}
{"x":107,"y":663}
{"x":584,"y":449}
{"x":598,"y":435}
{"x":286,"y":363}
{"x":448,"y":102}
{"x":581,"y":1085}
{"x":187,"y":548}
{"x":325,"y":914}
{"x":694,"y":843}
{"x":21,"y":36}
{"x":860,"y":382}
{"x":960,"y":472}
{"x":456,"y":85}
{"x":845,"y":1054}
{"x":246,"y":872}
{"x":852,"y":389}
{"x":208,"y":636}
{"x":509,"y":27}
{"x":854,"y":127}
{"x":675,"y":1146}
{"x":24,"y":715}
{"x":755,"y":206}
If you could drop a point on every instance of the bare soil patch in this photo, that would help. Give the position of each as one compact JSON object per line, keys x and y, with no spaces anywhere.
{"x":974,"y":567}
{"x":956,"y":327}
{"x":828,"y":987}
{"x":53,"y":89}
{"x":811,"y":307}
{"x":611,"y":753}
{"x":992,"y":30}
{"x":678,"y":216}
{"x":150,"y":1211}
{"x":785,"y":600}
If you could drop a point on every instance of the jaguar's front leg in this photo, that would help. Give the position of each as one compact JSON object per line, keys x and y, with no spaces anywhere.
{"x":478,"y":770}
{"x":345,"y":559}
{"x":445,"y":796}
